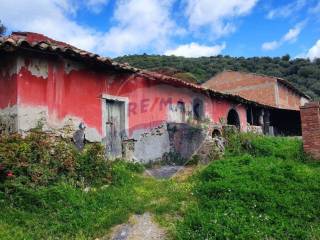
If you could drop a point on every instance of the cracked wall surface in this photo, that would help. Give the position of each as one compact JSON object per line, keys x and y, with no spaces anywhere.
{"x":58,"y":94}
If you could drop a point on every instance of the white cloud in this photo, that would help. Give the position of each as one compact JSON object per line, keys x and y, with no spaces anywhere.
{"x":50,"y":17}
{"x":314,"y":52}
{"x":96,"y":6}
{"x":290,"y":36}
{"x":196,"y":50}
{"x":140,"y":24}
{"x":293,"y":33}
{"x":267,"y":46}
{"x":286,"y":10}
{"x":218,"y":15}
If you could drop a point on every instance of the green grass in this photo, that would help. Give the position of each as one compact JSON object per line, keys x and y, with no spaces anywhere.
{"x":264,"y":188}
{"x":64,"y":211}
{"x":264,"y":191}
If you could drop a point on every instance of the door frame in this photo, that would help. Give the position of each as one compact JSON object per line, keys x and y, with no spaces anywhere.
{"x":125,"y":101}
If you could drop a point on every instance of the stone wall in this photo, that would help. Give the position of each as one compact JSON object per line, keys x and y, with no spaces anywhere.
{"x":310,"y":119}
{"x":174,"y":143}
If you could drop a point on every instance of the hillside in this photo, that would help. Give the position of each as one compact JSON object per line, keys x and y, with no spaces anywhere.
{"x":302,"y":73}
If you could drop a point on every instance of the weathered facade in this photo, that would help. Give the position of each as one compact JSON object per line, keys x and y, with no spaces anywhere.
{"x":283,"y":97}
{"x":56,"y":86}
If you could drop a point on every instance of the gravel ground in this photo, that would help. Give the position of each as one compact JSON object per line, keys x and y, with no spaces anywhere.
{"x":140,"y":227}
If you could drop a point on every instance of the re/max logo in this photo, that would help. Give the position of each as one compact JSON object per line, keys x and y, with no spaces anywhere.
{"x":148,"y":105}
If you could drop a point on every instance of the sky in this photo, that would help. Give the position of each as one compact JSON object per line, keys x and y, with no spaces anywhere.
{"x":189,"y":28}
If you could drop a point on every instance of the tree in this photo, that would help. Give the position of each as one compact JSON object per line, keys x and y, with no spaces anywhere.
{"x":286,"y":57}
{"x":303,"y":73}
{"x":3,"y":29}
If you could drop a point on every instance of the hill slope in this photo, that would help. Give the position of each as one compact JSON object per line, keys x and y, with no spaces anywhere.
{"x":302,"y":73}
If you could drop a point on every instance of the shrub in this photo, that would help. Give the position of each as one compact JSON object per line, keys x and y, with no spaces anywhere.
{"x":42,"y":160}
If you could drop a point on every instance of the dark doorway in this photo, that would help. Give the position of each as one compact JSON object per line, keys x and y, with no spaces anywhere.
{"x":181,"y":111}
{"x":198,"y":109}
{"x":233,"y":118}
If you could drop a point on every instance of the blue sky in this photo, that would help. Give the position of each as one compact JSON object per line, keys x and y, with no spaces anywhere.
{"x":190,"y":28}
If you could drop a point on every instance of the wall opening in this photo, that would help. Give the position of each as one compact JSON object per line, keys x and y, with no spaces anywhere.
{"x":181,"y":111}
{"x":115,"y":126}
{"x":198,"y":109}
{"x":233,"y":118}
{"x":285,"y":122}
{"x":216,"y":133}
{"x":253,"y":116}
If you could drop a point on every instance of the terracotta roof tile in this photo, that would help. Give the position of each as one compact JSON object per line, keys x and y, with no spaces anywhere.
{"x":35,"y":41}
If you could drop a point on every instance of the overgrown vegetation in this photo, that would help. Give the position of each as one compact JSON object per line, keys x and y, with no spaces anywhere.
{"x":302,"y":73}
{"x":49,"y":190}
{"x":41,"y":160}
{"x":263,"y":188}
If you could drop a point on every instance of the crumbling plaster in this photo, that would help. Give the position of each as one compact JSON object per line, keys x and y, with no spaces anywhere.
{"x":8,"y":119}
{"x":58,"y":94}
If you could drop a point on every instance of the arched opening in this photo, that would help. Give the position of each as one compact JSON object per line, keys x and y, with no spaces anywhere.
{"x":198,"y":109}
{"x":233,"y":118}
{"x":216,"y":133}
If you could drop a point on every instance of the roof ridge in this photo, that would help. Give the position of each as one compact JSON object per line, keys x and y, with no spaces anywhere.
{"x":14,"y":42}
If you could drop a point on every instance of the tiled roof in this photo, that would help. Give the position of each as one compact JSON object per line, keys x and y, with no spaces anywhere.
{"x":38,"y":42}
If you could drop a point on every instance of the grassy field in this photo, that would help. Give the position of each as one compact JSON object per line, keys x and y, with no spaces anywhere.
{"x":263,"y":188}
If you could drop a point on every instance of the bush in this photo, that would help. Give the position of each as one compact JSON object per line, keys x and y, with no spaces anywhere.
{"x":41,"y":160}
{"x":55,"y":192}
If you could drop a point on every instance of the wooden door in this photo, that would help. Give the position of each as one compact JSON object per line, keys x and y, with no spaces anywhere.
{"x":114,"y":128}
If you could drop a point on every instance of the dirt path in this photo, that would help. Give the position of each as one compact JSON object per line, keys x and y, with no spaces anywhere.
{"x":143,"y":227}
{"x":164,"y":172}
{"x":139,"y":227}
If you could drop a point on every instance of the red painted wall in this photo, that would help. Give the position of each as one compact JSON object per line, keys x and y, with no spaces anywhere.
{"x":8,"y":82}
{"x":77,"y":92}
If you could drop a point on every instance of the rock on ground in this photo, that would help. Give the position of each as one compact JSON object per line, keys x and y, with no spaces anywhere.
{"x":140,"y":227}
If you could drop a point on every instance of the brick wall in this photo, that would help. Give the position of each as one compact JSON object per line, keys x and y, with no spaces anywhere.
{"x":262,"y":89}
{"x":250,"y":86}
{"x":287,"y":98}
{"x":310,"y":119}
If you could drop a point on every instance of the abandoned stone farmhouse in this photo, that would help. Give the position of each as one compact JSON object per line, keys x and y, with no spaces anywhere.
{"x":137,"y":114}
